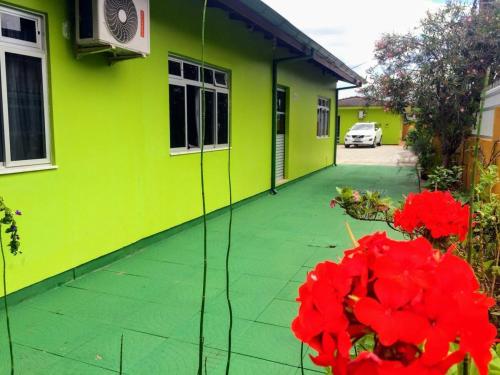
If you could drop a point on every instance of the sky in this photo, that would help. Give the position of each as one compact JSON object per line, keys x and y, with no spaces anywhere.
{"x":349,"y":29}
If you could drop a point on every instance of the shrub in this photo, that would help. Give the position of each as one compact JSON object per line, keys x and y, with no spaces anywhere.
{"x":415,"y":301}
{"x":419,"y":140}
{"x":442,"y":178}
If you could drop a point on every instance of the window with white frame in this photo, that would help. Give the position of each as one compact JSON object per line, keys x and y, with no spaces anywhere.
{"x":323,"y":117}
{"x":24,"y":124}
{"x":185,"y":85}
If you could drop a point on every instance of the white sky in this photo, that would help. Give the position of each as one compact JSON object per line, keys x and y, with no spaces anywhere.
{"x":349,"y":29}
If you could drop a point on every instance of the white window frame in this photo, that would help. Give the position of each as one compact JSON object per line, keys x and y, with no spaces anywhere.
{"x":215,"y":88}
{"x":323,"y":114}
{"x":38,"y":50}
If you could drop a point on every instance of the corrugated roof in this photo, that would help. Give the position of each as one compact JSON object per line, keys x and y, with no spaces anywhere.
{"x":270,"y":21}
{"x":358,"y":101}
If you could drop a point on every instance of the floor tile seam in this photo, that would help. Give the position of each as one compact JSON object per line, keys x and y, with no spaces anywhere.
{"x":146,"y":333}
{"x":131,"y":298}
{"x":159,"y":278}
{"x":73,"y":318}
{"x":243,"y":354}
{"x":116,"y":272}
{"x":113,"y":294}
{"x":120,"y":326}
{"x":89,"y":320}
{"x":166,"y":261}
{"x":122,"y":273}
{"x":274,"y":298}
{"x":272,"y":324}
{"x":267,"y":359}
{"x":263,"y":276}
{"x":257,"y":259}
{"x":110,"y":325}
{"x":65,"y":357}
{"x":284,"y":299}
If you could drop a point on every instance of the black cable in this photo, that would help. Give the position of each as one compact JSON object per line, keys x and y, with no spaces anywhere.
{"x":121,"y":356}
{"x":6,"y":307}
{"x":202,"y":143}
{"x":229,"y":240}
{"x":302,"y":358}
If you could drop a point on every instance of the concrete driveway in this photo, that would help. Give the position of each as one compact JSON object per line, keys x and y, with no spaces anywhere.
{"x":383,"y":155}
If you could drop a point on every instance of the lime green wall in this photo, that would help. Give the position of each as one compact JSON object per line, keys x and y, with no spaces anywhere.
{"x":392,"y":125}
{"x":304,"y":151}
{"x":116,"y":181}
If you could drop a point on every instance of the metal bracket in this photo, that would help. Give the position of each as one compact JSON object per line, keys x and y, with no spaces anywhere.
{"x":114,"y":58}
{"x":111,"y":51}
{"x":87,"y":51}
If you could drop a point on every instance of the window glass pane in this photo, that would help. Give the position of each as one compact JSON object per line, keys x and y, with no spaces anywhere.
{"x":26,"y":107}
{"x":209,"y":118}
{"x":174,"y":68}
{"x":177,"y":116}
{"x":281,"y":98}
{"x":325,"y":122}
{"x":191,"y":72}
{"x":220,"y":78}
{"x":209,"y":76}
{"x":327,"y":130}
{"x":18,"y":28}
{"x":325,"y":115}
{"x":193,"y":116}
{"x":222,"y":118}
{"x":318,"y":130}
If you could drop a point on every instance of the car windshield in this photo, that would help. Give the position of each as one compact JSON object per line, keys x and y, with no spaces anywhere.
{"x":362,"y":127}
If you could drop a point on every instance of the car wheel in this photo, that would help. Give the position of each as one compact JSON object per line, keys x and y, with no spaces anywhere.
{"x":347,"y":146}
{"x":374,"y":143}
{"x":380,"y":142}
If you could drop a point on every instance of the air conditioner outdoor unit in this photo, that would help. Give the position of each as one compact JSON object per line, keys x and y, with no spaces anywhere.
{"x":120,"y":26}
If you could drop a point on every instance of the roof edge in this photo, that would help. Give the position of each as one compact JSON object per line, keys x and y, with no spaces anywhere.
{"x":270,"y":21}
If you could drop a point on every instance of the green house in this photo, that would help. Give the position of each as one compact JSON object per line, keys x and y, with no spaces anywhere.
{"x":100,"y":138}
{"x":358,"y":109}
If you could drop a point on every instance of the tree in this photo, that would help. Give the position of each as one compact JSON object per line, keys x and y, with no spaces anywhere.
{"x":436,"y":73}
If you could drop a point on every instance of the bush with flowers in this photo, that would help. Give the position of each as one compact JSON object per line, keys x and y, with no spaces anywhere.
{"x":484,"y":251}
{"x":418,"y":303}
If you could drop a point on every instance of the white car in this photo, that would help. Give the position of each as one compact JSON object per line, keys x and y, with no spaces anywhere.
{"x":364,"y":134}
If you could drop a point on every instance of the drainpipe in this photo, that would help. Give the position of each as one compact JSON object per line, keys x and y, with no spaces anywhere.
{"x":337,"y":123}
{"x":276,"y":62}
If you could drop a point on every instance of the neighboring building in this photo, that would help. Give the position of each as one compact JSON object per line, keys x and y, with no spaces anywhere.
{"x":358,"y":109}
{"x":490,"y":133}
{"x":99,"y":155}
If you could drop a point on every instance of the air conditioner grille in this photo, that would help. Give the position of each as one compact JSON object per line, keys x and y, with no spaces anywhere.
{"x":121,"y":18}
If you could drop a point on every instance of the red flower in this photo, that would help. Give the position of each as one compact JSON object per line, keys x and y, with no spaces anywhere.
{"x":436,"y":211}
{"x":333,"y":202}
{"x":412,"y":299}
{"x":322,"y":322}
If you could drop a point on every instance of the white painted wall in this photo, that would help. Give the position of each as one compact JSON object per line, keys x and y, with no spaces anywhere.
{"x":491,"y":102}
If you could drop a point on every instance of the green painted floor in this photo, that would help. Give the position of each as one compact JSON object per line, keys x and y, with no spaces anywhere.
{"x":153,"y":297}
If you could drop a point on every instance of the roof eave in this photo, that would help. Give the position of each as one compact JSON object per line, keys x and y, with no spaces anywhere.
{"x":261,"y":15}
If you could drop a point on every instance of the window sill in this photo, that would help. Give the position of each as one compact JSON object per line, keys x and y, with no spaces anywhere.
{"x":27,"y":168}
{"x":197,"y":151}
{"x":327,"y":137}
